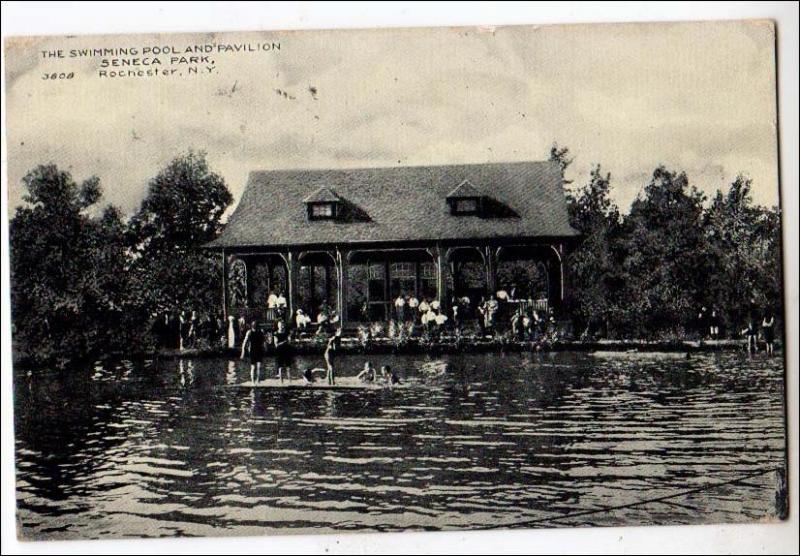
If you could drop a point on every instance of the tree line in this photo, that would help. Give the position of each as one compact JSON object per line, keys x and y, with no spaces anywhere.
{"x":87,"y":282}
{"x":649,"y":273}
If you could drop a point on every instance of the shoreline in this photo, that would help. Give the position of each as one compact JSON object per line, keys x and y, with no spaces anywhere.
{"x":415,"y":346}
{"x":418,"y":346}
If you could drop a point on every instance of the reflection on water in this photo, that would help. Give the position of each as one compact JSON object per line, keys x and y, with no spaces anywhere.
{"x":473,"y":440}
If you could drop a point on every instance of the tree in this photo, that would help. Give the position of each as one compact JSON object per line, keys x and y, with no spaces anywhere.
{"x":745,"y":242}
{"x":180,"y":213}
{"x":561,"y":156}
{"x":67,"y":269}
{"x":592,"y":268}
{"x":666,"y":257}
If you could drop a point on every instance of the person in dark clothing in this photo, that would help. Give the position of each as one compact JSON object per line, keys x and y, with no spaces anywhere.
{"x":768,"y":331}
{"x":703,"y":322}
{"x":308,"y":374}
{"x":283,"y":351}
{"x":183,"y":327}
{"x":752,"y":327}
{"x":253,"y":344}
{"x":389,"y":375}
{"x":160,"y":331}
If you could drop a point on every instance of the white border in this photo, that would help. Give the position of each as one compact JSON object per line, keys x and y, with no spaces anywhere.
{"x":44,"y":18}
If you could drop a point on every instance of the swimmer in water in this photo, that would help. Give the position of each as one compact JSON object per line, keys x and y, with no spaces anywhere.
{"x":308,"y":374}
{"x":389,"y":375}
{"x":368,"y":374}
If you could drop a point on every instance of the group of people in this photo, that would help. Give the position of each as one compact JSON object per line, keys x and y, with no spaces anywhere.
{"x":327,"y":319}
{"x":525,"y":321}
{"x":256,"y":343}
{"x":530,"y":324}
{"x":187,"y":329}
{"x":410,"y":309}
{"x":709,"y":323}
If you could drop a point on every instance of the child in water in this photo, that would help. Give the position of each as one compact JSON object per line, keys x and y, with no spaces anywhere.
{"x":389,"y":375}
{"x":368,"y":374}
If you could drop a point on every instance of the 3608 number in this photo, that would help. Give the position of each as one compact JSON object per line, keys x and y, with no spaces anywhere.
{"x":55,"y":76}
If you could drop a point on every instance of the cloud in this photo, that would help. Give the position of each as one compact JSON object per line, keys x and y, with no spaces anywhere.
{"x":697,"y":97}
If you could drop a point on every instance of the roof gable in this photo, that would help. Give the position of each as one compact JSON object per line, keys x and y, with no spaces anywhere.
{"x":464,"y":189}
{"x":322,"y":195}
{"x":404,"y":203}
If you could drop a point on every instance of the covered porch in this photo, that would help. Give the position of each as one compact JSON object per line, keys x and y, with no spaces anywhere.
{"x":360,"y":285}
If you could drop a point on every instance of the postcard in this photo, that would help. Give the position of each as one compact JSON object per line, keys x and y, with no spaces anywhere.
{"x":423,"y":279}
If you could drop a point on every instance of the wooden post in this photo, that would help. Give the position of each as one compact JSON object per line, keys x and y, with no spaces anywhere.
{"x":327,"y":270}
{"x":341,"y":292}
{"x":439,"y":276}
{"x":224,"y":287}
{"x":561,"y":270}
{"x":489,"y":263}
{"x":248,"y":285}
{"x":292,"y":271}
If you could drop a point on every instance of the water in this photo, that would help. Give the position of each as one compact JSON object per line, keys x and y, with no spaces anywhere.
{"x":521,"y":440}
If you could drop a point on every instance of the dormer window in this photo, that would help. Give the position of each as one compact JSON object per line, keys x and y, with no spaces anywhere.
{"x":321,"y":211}
{"x":465,"y":200}
{"x":322,"y":204}
{"x":465,"y":206}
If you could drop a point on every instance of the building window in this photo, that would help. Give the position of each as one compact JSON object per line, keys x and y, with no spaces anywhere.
{"x":466,"y":205}
{"x":321,"y":211}
{"x":427,"y":271}
{"x":403,"y":270}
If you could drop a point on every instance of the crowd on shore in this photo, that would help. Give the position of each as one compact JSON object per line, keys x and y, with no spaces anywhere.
{"x":425,"y":318}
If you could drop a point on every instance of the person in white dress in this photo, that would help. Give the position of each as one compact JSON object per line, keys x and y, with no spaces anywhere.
{"x":399,"y":307}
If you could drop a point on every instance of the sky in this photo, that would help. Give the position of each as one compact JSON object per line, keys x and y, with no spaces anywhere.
{"x":695,"y":97}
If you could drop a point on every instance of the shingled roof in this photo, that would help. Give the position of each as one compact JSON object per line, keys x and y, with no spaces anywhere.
{"x":464,"y":189}
{"x":322,"y":195}
{"x":404,"y":203}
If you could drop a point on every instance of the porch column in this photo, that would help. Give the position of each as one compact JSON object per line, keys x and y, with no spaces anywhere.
{"x":561,"y":268}
{"x":341,"y":291}
{"x":440,"y":275}
{"x":292,"y":276}
{"x":491,"y":271}
{"x":224,"y":287}
{"x":249,"y":264}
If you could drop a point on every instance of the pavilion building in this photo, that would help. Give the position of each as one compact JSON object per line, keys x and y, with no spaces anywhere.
{"x":353,"y":240}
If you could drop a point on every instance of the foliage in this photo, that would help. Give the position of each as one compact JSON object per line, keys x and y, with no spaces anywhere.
{"x":180,"y":213}
{"x":86,"y":285}
{"x":67,"y":269}
{"x":649,"y":273}
{"x":592,"y":267}
{"x":745,"y":243}
{"x":666,"y":258}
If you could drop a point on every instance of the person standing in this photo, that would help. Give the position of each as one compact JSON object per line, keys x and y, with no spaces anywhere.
{"x":231,"y":332}
{"x":713,"y":322}
{"x":399,"y":307}
{"x":752,"y":327}
{"x":768,"y":331}
{"x":283,"y":351}
{"x":413,"y":305}
{"x":272,"y":304}
{"x":703,"y":322}
{"x":331,"y":350}
{"x":482,"y":316}
{"x":455,"y":307}
{"x":492,"y":307}
{"x":253,"y":344}
{"x":281,"y":305}
{"x":183,"y":329}
{"x":424,"y":307}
